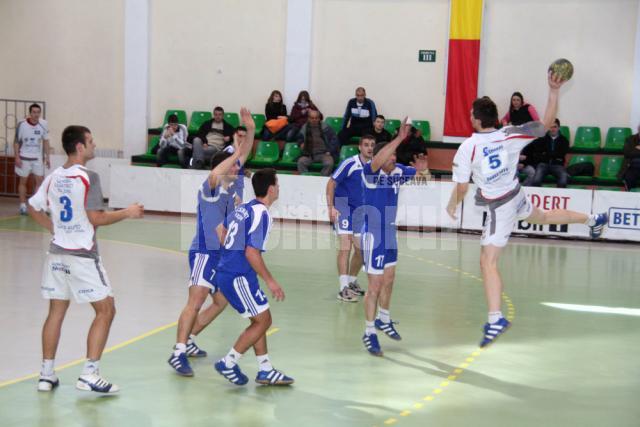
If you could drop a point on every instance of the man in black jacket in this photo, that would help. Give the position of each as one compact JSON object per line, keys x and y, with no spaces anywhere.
{"x":358,"y":117}
{"x":213,"y":136}
{"x":553,"y":149}
{"x":630,"y":172}
{"x":318,"y":143}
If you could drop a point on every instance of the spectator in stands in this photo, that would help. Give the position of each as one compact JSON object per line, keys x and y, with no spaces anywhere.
{"x":553,"y":149}
{"x":519,"y":113}
{"x":529,"y":159}
{"x":358,"y":117}
{"x":299,"y":114}
{"x":318,"y":143}
{"x":379,"y":132}
{"x":630,"y":171}
{"x":173,"y":141}
{"x":277,"y":124}
{"x":213,"y":136}
{"x":412,"y":145}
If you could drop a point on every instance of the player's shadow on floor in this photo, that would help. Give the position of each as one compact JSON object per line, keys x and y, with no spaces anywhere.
{"x":476,"y":379}
{"x":296,"y":407}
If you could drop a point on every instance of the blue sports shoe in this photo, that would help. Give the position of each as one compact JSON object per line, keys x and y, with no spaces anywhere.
{"x":181,"y":364}
{"x":371,"y":344}
{"x":388,"y":329}
{"x":596,"y":229}
{"x":94,"y":382}
{"x":194,"y":351}
{"x":273,"y":377}
{"x":234,"y":375}
{"x":494,"y":330}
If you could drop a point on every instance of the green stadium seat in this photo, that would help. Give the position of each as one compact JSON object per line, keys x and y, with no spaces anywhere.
{"x":425,"y":127}
{"x":267,"y":154}
{"x":334,"y":123}
{"x":153,"y":142}
{"x":232,"y":118}
{"x":348,"y":151}
{"x":616,"y":138}
{"x":182,"y":116}
{"x":581,"y":159}
{"x":635,"y":190}
{"x":609,"y":168}
{"x":392,"y":125}
{"x":197,"y":119}
{"x":564,"y":130}
{"x":610,"y":188}
{"x":259,"y":120}
{"x":587,"y":138}
{"x":290,"y":155}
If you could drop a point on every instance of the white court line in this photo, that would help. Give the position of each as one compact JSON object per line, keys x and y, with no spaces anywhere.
{"x":595,"y":308}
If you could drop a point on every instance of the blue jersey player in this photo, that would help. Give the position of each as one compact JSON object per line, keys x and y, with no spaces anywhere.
{"x":215,"y":202}
{"x":344,"y":199}
{"x":237,"y":278}
{"x":238,"y":184}
{"x":382,"y":178}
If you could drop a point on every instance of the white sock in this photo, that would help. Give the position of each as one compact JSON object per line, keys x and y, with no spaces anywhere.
{"x":591,"y":221}
{"x":91,"y":367}
{"x":191,"y":338}
{"x":384,"y":315}
{"x":264,"y":364}
{"x":23,"y":205}
{"x":353,"y":279}
{"x":232,"y":358}
{"x":179,"y":348}
{"x":494,"y":316}
{"x":369,"y":329}
{"x":47,"y":368}
{"x":344,"y":281}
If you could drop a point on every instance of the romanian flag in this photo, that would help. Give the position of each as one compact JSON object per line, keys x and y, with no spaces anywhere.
{"x":464,"y":60}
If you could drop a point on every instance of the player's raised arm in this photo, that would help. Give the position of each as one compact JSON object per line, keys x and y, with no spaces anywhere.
{"x":225,"y":165}
{"x":247,"y":119}
{"x":551,"y":111}
{"x":388,"y":150}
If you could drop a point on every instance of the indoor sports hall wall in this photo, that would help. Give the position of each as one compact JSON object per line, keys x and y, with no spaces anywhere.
{"x":70,"y":54}
{"x":522,"y":37}
{"x":205,"y":53}
{"x":375,"y":44}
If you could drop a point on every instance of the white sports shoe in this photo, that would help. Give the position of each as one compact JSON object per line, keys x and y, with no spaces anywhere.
{"x":94,"y":382}
{"x":48,"y":382}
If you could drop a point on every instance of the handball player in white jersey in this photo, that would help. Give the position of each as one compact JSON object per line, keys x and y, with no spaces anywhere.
{"x":72,"y":196}
{"x":31,"y":148}
{"x":491,"y":156}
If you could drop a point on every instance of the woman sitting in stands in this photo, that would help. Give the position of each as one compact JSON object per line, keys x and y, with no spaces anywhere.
{"x":299,"y":114}
{"x":519,"y":112}
{"x":277,"y":124}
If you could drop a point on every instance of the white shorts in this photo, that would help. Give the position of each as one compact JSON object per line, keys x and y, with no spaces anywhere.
{"x":85,"y":278}
{"x":502,"y":218}
{"x":29,"y":167}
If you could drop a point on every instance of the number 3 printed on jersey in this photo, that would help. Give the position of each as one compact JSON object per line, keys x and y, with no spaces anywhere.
{"x":231,"y":235}
{"x":66,"y":214}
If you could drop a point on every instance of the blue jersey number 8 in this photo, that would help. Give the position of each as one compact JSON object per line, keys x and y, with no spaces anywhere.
{"x":66,"y":214}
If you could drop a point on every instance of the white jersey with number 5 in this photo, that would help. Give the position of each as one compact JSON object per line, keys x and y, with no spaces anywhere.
{"x":492,"y":158}
{"x":67,"y":194}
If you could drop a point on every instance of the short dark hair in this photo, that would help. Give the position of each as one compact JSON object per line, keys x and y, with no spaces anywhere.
{"x":557,"y":121}
{"x":379,"y":146}
{"x":32,"y":106}
{"x":380,"y":116}
{"x":218,"y":108}
{"x":239,"y":128}
{"x":219,"y":157}
{"x":262,"y":180}
{"x":485,"y":110}
{"x":173,"y":118}
{"x":367,"y":136}
{"x":72,"y":136}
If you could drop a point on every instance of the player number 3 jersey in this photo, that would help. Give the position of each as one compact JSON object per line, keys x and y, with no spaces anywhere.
{"x":67,"y":194}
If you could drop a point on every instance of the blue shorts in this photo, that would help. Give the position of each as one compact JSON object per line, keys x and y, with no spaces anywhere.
{"x":243,"y":292}
{"x":349,"y":221}
{"x":203,"y":268}
{"x":379,"y":248}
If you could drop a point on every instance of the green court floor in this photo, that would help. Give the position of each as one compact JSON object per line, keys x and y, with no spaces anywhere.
{"x":555,"y":367}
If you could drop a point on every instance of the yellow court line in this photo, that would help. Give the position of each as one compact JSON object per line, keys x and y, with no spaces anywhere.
{"x":456,"y":372}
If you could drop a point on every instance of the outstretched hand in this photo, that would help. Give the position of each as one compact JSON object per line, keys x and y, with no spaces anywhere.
{"x":555,"y":80}
{"x":247,"y":119}
{"x":403,"y":132}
